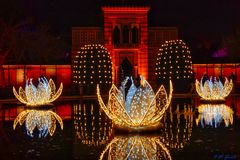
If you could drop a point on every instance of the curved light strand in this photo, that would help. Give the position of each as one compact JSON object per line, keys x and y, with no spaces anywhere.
{"x":44,"y":121}
{"x":44,"y":93}
{"x":136,"y":147}
{"x":145,"y":110}
{"x":214,"y":114}
{"x":213,"y":89}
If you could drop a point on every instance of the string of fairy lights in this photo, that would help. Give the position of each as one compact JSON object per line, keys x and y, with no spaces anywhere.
{"x":174,"y":61}
{"x":213,"y":89}
{"x":178,"y":124}
{"x":136,"y":147}
{"x":92,"y":65}
{"x":147,"y":107}
{"x":214,"y":115}
{"x":44,"y":93}
{"x":91,"y":126}
{"x":44,"y":120}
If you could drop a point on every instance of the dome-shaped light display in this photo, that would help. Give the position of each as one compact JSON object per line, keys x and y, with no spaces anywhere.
{"x":174,"y":61}
{"x":92,"y":65}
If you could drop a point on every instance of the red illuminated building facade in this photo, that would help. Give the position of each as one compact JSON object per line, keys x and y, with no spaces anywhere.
{"x":127,"y":36}
{"x":131,"y":42}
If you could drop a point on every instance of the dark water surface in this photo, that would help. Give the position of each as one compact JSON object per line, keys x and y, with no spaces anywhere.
{"x":189,"y":130}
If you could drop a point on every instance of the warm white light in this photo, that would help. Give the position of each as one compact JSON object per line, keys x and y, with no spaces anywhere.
{"x":44,"y":93}
{"x":214,"y":114}
{"x":44,"y":121}
{"x":213,"y":89}
{"x":136,"y":147}
{"x":140,"y":110}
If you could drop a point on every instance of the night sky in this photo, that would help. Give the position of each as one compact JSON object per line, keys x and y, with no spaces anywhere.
{"x":201,"y":23}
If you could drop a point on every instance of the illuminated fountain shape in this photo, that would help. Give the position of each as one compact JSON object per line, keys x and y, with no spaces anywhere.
{"x":214,"y":89}
{"x":214,"y":114}
{"x":43,"y":94}
{"x":136,"y":147}
{"x":140,"y":110}
{"x":42,"y":120}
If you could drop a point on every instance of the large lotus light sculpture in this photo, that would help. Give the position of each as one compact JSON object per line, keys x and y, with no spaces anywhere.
{"x":44,"y":121}
{"x":136,"y":147}
{"x":139,"y":109}
{"x":44,"y":93}
{"x":214,"y":114}
{"x":213,"y":89}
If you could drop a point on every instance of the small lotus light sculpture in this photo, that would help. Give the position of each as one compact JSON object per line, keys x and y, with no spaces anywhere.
{"x":214,"y":114}
{"x":43,"y":120}
{"x":139,"y":109}
{"x":43,"y":94}
{"x":213,"y":89}
{"x":136,"y":147}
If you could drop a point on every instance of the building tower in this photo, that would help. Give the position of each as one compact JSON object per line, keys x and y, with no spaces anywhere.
{"x":126,"y":34}
{"x":126,"y":38}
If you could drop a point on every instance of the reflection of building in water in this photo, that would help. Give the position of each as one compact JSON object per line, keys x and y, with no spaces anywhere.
{"x":42,"y":120}
{"x":178,"y":125}
{"x":136,"y":147}
{"x":91,"y":126}
{"x":214,"y":114}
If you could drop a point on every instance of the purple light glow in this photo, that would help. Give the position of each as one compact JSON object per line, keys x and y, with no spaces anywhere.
{"x":223,"y":52}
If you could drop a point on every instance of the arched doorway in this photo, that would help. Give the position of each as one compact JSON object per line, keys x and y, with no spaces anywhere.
{"x":125,"y":69}
{"x":125,"y":34}
{"x":134,"y":35}
{"x":116,"y":35}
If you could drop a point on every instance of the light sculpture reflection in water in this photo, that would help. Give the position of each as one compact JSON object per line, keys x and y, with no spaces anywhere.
{"x":214,"y":114}
{"x":140,"y":109}
{"x":91,"y":127}
{"x":213,"y":89}
{"x":177,"y":126}
{"x":44,"y":93}
{"x":136,"y":147}
{"x":43,"y":120}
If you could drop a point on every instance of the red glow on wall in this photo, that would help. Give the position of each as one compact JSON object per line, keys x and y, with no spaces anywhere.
{"x":16,"y":75}
{"x":216,"y":70}
{"x":136,"y":52}
{"x":64,"y":111}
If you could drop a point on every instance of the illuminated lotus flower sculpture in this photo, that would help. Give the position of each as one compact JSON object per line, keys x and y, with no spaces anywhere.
{"x":44,"y":121}
{"x":213,"y":89}
{"x":44,"y":93}
{"x":136,"y":147}
{"x":139,"y":109}
{"x":214,"y":114}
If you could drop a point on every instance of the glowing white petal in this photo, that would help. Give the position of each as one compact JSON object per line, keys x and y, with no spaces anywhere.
{"x":136,"y":147}
{"x":144,"y":111}
{"x":44,"y":121}
{"x":44,"y":93}
{"x":213,"y":90}
{"x":214,"y":114}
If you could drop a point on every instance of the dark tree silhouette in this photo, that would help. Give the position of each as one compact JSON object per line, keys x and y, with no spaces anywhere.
{"x":27,"y":43}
